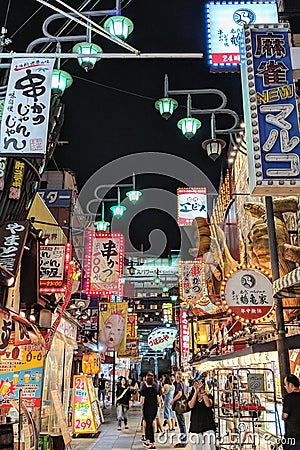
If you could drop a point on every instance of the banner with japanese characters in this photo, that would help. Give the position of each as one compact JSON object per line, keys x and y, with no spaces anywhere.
{"x":191,"y":203}
{"x":104,"y":264}
{"x":131,"y":330}
{"x":113,"y":326}
{"x":193,"y":287}
{"x":184,"y":336}
{"x":13,"y":236}
{"x":270,"y":110}
{"x":248,"y":294}
{"x":24,"y":125}
{"x":224,"y":25}
{"x":54,"y":267}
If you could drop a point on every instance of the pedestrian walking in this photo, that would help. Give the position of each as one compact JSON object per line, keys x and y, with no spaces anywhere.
{"x":202,"y":425}
{"x":150,"y":401}
{"x":180,"y":417}
{"x":291,"y":413}
{"x":168,"y":390}
{"x":122,"y":401}
{"x":101,"y":389}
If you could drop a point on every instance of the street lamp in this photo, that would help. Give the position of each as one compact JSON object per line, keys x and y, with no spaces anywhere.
{"x":102,"y":225}
{"x":133,"y":195}
{"x":119,"y":26}
{"x":87,"y":50}
{"x":189,"y":125}
{"x":118,"y":210}
{"x":61,"y":80}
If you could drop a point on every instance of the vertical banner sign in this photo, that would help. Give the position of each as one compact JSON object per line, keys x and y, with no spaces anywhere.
{"x":184,"y":336}
{"x":224,"y":26}
{"x":192,"y":286}
{"x":104,"y":263}
{"x":112,"y":326}
{"x":270,"y":109}
{"x":54,"y":267}
{"x":191,"y":203}
{"x":24,"y":125}
{"x":13,"y":236}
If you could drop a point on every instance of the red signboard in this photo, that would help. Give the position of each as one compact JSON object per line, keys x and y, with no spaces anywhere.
{"x":54,"y":267}
{"x":184,"y":335}
{"x":104,"y":263}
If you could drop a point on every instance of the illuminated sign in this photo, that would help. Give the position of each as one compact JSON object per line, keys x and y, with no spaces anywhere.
{"x":270,"y":109}
{"x":248,"y":294}
{"x":191,"y":203}
{"x":54,"y":267}
{"x":224,"y":23}
{"x":184,"y":336}
{"x":104,"y":263}
{"x":161,"y":338}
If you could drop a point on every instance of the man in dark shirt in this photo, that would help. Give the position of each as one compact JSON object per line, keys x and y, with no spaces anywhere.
{"x":291,"y":413}
{"x":101,"y":389}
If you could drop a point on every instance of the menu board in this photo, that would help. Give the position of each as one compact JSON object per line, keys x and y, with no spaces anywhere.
{"x":21,"y":367}
{"x":86,"y":416}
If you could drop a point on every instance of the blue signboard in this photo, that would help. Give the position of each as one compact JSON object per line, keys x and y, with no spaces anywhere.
{"x":224,"y":25}
{"x":54,"y":198}
{"x":270,"y":108}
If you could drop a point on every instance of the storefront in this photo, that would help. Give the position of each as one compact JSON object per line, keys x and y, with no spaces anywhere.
{"x":56,"y":399}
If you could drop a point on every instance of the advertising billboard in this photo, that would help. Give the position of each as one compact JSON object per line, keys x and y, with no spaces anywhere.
{"x":224,"y":25}
{"x":270,"y":110}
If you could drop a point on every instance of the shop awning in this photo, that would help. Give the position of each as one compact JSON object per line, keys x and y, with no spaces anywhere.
{"x":288,"y":285}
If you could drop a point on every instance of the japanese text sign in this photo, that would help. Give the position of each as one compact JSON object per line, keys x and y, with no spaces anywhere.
{"x":54,"y":266}
{"x":224,"y":23}
{"x":161,"y":338}
{"x":13,"y":236}
{"x":248,"y":294}
{"x":104,"y":262}
{"x":191,"y":203}
{"x":192,"y":286}
{"x":270,"y":108}
{"x":24,"y":125}
{"x":131,"y":329}
{"x":56,"y":198}
{"x":184,"y":335}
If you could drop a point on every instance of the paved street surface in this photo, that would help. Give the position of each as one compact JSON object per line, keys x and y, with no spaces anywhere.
{"x":110,"y":438}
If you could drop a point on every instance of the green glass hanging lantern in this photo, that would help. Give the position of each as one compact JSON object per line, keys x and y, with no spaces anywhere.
{"x":119,"y":26}
{"x":61,"y":80}
{"x":166,"y":106}
{"x":189,"y":126}
{"x":102,"y":225}
{"x":118,"y":210}
{"x":87,"y":49}
{"x":133,"y":195}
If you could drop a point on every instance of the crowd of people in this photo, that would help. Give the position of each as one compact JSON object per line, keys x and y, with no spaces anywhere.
{"x":165,"y":402}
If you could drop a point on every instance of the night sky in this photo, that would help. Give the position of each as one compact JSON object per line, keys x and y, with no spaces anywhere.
{"x":110,"y":110}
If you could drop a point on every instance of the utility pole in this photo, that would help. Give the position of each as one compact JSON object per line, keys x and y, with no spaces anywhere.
{"x":281,"y":344}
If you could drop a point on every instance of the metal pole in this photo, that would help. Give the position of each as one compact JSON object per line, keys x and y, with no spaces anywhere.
{"x":281,"y":344}
{"x":113,"y":394}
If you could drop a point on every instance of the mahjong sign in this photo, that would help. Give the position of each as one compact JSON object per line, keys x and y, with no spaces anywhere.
{"x":270,"y":110}
{"x":247,"y":294}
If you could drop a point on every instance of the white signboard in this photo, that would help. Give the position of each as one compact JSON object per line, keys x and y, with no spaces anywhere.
{"x":161,"y":338}
{"x":52,"y":265}
{"x":225,"y":21}
{"x":191,"y":203}
{"x":24,"y":126}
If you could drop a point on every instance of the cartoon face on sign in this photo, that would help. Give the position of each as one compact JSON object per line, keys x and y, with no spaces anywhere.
{"x":113,"y":319}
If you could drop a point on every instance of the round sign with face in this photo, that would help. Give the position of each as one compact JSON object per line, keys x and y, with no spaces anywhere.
{"x":248,"y":294}
{"x":161,"y":338}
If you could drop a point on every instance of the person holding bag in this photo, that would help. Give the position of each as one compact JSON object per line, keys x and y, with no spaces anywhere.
{"x":122,"y":401}
{"x":202,"y":425}
{"x":150,"y":401}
